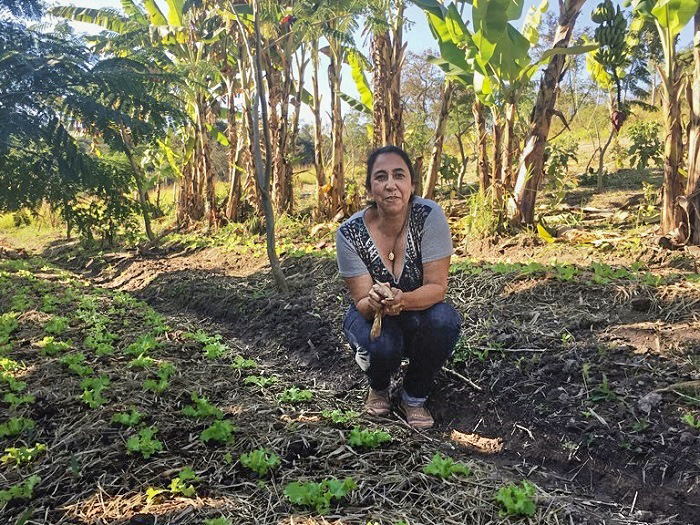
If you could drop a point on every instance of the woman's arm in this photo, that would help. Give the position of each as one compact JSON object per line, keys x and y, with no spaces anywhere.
{"x":362,"y":293}
{"x":432,"y":292}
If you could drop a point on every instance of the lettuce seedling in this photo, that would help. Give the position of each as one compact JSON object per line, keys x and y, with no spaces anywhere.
{"x":19,"y":455}
{"x":20,"y":491}
{"x":517,"y":500}
{"x":220,"y":431}
{"x":368,"y":438}
{"x":296,"y":395}
{"x":144,"y":443}
{"x":261,"y":461}
{"x":445,"y":467}
{"x":202,"y":409}
{"x":128,"y":419}
{"x":319,"y":495}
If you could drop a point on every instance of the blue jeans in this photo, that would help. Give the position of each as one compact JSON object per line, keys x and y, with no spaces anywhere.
{"x":426,"y":337}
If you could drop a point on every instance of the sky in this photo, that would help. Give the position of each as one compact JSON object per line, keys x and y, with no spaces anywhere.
{"x":418,"y":37}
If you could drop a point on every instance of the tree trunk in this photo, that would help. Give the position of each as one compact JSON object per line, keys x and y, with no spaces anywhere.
{"x":509,"y":149}
{"x":337,"y":190}
{"x":482,"y":162}
{"x":671,"y":213}
{"x":436,"y":155}
{"x":497,"y":162}
{"x":521,"y":208}
{"x":234,"y":193}
{"x":380,"y":56}
{"x":139,"y":179}
{"x":318,"y":133}
{"x":692,"y":188}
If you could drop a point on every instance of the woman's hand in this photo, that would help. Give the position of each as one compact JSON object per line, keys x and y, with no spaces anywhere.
{"x":378,"y":294}
{"x":395,"y":304}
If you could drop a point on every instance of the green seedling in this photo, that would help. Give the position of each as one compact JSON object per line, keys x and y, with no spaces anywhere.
{"x":144,"y":443}
{"x":74,"y":362}
{"x":340,"y":417}
{"x":49,"y":304}
{"x":445,"y":467}
{"x":219,"y":431}
{"x":260,"y":461}
{"x":20,"y":302}
{"x":517,"y":500}
{"x":128,"y":419}
{"x":296,"y":395}
{"x":142,"y":346}
{"x":10,"y":365}
{"x":15,"y":426}
{"x":156,"y":322}
{"x":15,"y":385}
{"x":603,"y":392}
{"x":215,"y":350}
{"x":202,"y":337}
{"x":178,"y":486}
{"x":260,"y":381}
{"x":8,"y":324}
{"x":368,"y":438}
{"x":691,"y":420}
{"x":160,"y":385}
{"x":202,"y":409}
{"x":50,"y":347}
{"x":217,"y":521}
{"x":319,"y":495}
{"x":126,"y":301}
{"x":19,"y":455}
{"x":142,"y":361}
{"x":57,"y":325}
{"x":23,"y":491}
{"x":14,"y":400}
{"x":92,"y":391}
{"x":241,"y":363}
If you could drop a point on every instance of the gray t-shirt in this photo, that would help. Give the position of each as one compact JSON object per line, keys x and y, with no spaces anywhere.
{"x":428,"y":238}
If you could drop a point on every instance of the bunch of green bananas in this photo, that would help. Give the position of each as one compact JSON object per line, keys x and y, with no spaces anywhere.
{"x":610,"y":34}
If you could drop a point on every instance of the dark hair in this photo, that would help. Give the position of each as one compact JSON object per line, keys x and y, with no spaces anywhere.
{"x":373,"y":156}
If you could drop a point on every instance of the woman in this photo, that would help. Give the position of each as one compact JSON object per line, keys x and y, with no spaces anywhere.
{"x":394,"y":257}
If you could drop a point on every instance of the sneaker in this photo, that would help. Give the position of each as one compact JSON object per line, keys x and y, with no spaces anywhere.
{"x":417,"y":417}
{"x":377,"y":403}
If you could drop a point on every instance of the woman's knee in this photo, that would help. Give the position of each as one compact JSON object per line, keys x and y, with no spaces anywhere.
{"x":387,"y":347}
{"x":443,"y":318}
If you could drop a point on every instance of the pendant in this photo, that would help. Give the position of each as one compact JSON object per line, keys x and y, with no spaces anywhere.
{"x":391,"y":256}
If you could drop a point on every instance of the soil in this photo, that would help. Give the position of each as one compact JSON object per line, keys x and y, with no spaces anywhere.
{"x":581,"y":385}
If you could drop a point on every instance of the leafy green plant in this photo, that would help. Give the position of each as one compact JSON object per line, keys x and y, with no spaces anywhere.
{"x":340,"y":417}
{"x":603,"y":392}
{"x":691,"y":420}
{"x":260,"y":381}
{"x":15,"y":426}
{"x":646,"y":145}
{"x":144,"y":443}
{"x":19,"y":455}
{"x":445,"y":467}
{"x":23,"y":490}
{"x":142,"y":361}
{"x":261,"y":461}
{"x":8,"y":324}
{"x":517,"y":500}
{"x":160,"y":385}
{"x":217,"y":521}
{"x":214,"y":350}
{"x":74,"y":362}
{"x":156,"y":322}
{"x":241,"y":363}
{"x":142,"y":346}
{"x":220,"y":431}
{"x":319,"y":495}
{"x":202,"y":409}
{"x":296,"y":395}
{"x":50,"y":347}
{"x":14,"y":400}
{"x":367,"y":438}
{"x":178,"y":486}
{"x":57,"y":325}
{"x":128,"y":419}
{"x":92,"y":391}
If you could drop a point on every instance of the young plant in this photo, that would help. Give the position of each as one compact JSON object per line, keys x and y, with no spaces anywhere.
{"x":340,"y":417}
{"x":241,"y":363}
{"x":50,"y":347}
{"x":14,"y":400}
{"x":217,"y":521}
{"x":160,"y":385}
{"x":296,"y":395}
{"x":202,"y":409}
{"x":319,"y":495}
{"x":8,"y":324}
{"x":19,"y":455}
{"x":142,"y":361}
{"x":15,"y":426}
{"x":260,"y":381}
{"x":20,"y":491}
{"x":144,"y":443}
{"x":517,"y":500}
{"x":445,"y":467}
{"x":368,"y":438}
{"x":691,"y":420}
{"x":178,"y":486}
{"x":260,"y":461}
{"x":57,"y":325}
{"x":74,"y":362}
{"x":219,"y":431}
{"x":142,"y":346}
{"x":92,"y":391}
{"x":214,"y":350}
{"x":128,"y":419}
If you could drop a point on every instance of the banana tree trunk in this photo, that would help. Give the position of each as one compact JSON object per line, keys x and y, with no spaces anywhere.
{"x":436,"y":155}
{"x":521,"y":207}
{"x":509,"y":149}
{"x":337,"y":190}
{"x":380,"y":71}
{"x":294,"y":131}
{"x":498,"y":127}
{"x":139,"y":180}
{"x":482,"y":163}
{"x":318,"y":134}
{"x":233,"y":153}
{"x":692,"y":188}
{"x":671,"y":213}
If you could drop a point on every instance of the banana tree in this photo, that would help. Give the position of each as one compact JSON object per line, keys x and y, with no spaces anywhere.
{"x":691,"y":200}
{"x":670,"y":17}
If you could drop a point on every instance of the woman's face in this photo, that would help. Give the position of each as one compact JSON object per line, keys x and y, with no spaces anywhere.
{"x":390,"y":183}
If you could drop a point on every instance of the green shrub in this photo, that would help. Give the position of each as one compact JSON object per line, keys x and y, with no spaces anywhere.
{"x":646,"y":146}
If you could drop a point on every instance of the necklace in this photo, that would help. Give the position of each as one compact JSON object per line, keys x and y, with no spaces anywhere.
{"x":392,"y":255}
